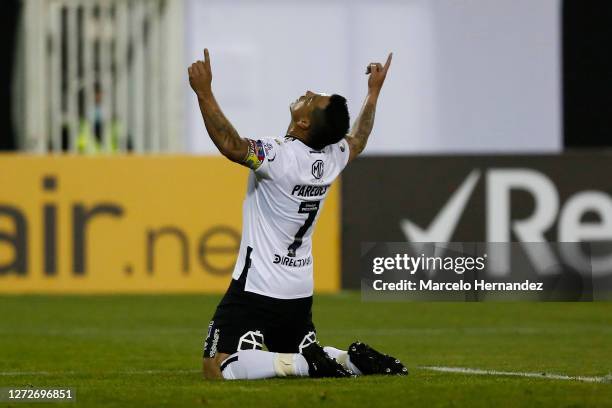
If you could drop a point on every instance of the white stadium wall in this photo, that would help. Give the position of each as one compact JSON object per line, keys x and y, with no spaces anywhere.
{"x":467,"y":76}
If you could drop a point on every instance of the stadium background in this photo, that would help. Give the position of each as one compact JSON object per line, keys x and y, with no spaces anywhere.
{"x":109,"y":185}
{"x":105,"y":81}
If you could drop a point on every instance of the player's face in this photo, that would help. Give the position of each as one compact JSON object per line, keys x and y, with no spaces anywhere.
{"x":303,"y":106}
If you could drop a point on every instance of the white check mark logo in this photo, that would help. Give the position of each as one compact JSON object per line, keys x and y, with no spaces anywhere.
{"x":443,"y":225}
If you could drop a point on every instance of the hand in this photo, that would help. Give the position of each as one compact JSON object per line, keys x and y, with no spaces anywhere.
{"x":200,"y":75}
{"x":377,"y":73}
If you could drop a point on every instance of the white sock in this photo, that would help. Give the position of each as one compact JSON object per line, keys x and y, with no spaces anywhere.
{"x":342,"y":357}
{"x":257,"y":364}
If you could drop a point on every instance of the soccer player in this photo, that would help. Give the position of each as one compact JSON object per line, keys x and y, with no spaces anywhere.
{"x":269,"y":299}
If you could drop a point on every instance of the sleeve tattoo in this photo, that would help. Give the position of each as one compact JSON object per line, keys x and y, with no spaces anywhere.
{"x":358,"y":137}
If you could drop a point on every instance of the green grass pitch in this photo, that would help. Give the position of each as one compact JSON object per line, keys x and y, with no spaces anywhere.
{"x":145,"y":351}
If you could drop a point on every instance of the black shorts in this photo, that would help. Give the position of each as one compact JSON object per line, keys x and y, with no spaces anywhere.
{"x":245,"y":320}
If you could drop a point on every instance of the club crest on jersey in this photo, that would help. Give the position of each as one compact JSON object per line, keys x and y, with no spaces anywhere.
{"x":317,"y":169}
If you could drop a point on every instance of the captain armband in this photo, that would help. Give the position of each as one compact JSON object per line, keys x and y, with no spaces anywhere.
{"x":255,"y":154}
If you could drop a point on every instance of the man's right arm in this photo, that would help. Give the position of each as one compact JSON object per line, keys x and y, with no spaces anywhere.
{"x":221,"y":131}
{"x":219,"y":128}
{"x":360,"y":132}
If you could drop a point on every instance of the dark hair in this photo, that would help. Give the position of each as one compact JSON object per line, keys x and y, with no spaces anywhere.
{"x":331,"y":124}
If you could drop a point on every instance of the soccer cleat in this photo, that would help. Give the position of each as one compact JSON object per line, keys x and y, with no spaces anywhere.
{"x":321,"y":365}
{"x":370,"y":361}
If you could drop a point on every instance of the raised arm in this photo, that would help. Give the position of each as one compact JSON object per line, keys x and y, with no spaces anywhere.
{"x":359,"y":133}
{"x":220,"y":130}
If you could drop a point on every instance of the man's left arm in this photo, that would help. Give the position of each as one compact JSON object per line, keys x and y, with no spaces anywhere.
{"x":360,"y":132}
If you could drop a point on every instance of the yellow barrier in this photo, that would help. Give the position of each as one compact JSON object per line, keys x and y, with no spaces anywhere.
{"x":131,"y":224}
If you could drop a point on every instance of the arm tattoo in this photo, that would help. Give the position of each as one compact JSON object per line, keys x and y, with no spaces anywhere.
{"x":365,"y":125}
{"x":221,"y":131}
{"x":358,"y":137}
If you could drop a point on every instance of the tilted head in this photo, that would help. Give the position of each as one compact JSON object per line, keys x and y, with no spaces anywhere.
{"x":321,"y":119}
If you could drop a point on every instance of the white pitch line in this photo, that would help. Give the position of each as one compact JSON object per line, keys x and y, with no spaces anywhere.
{"x":477,"y":371}
{"x":460,"y":370}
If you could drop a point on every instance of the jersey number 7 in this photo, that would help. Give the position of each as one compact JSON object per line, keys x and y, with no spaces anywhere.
{"x":307,"y":207}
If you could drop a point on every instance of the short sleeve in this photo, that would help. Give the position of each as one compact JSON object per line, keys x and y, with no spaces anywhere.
{"x":268,"y":157}
{"x":340,"y":153}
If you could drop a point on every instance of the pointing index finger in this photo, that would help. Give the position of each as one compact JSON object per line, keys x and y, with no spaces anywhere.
{"x":206,"y":57}
{"x":388,"y":63}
